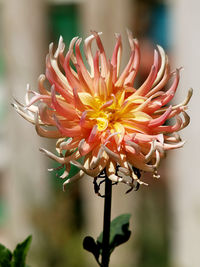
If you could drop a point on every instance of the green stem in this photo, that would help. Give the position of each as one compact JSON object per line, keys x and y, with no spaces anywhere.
{"x":106,"y":223}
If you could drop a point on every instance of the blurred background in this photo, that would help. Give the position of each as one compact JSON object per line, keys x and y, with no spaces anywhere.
{"x":166,"y":215}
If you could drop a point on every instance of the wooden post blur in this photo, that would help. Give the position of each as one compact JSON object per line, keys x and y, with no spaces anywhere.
{"x":25,"y":181}
{"x":184,"y":171}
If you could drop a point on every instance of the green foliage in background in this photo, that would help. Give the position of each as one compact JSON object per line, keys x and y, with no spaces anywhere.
{"x":63,"y":20}
{"x":18,"y":257}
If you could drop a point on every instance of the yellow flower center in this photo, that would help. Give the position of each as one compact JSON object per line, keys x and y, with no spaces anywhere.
{"x":102,"y":124}
{"x":112,"y":112}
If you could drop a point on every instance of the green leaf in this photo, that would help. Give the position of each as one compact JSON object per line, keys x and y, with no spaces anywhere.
{"x":5,"y":256}
{"x":119,"y":232}
{"x":20,"y":252}
{"x":90,"y":245}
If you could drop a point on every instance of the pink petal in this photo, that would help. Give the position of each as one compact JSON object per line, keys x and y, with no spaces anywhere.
{"x":58,"y":87}
{"x":125,"y":73}
{"x":171,"y":128}
{"x":104,"y":63}
{"x":67,"y":112}
{"x":146,"y":86}
{"x":75,"y":131}
{"x":73,"y":81}
{"x":114,"y":60}
{"x":93,"y":134}
{"x":134,"y":70}
{"x":167,"y":97}
{"x":83,"y":69}
{"x":77,"y":102}
{"x":96,"y":72}
{"x":160,"y":120}
{"x":85,"y":147}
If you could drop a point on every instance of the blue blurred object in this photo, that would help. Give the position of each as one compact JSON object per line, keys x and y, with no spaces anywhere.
{"x":159,"y":30}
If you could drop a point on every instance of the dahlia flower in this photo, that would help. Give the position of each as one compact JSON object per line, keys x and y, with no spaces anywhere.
{"x":97,"y":114}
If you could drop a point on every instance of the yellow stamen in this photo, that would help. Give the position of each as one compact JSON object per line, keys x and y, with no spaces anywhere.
{"x":102,"y":124}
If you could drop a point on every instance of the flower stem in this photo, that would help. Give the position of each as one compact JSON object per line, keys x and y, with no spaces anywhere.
{"x":106,"y":223}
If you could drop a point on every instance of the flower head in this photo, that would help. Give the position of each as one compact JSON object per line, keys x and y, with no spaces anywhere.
{"x":95,"y":111}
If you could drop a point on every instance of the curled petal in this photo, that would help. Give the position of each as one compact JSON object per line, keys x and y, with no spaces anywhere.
{"x":146,"y":86}
{"x":95,"y":160}
{"x":148,"y":157}
{"x":85,"y":147}
{"x":67,"y":112}
{"x":83,"y":69}
{"x":114,"y":156}
{"x":73,"y":179}
{"x":116,"y":57}
{"x":104,"y":63}
{"x":61,"y":160}
{"x":72,"y":43}
{"x":77,"y":102}
{"x":162,"y":82}
{"x":88,"y":52}
{"x":163,"y":64}
{"x":45,"y":114}
{"x":93,"y":134}
{"x":160,"y":120}
{"x":91,"y":172}
{"x":54,"y":64}
{"x":124,"y":74}
{"x":139,"y":162}
{"x":111,"y":170}
{"x":75,"y":131}
{"x":45,"y":133}
{"x":171,"y":128}
{"x":41,"y":87}
{"x":134,"y":145}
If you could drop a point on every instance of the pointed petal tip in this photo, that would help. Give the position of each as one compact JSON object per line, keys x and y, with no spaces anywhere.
{"x":60,"y":39}
{"x":93,"y":31}
{"x":43,"y":150}
{"x":51,"y":47}
{"x":190,"y":91}
{"x":129,"y":32}
{"x":28,"y":86}
{"x":41,"y":77}
{"x":117,"y":35}
{"x":65,"y":184}
{"x":159,"y":47}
